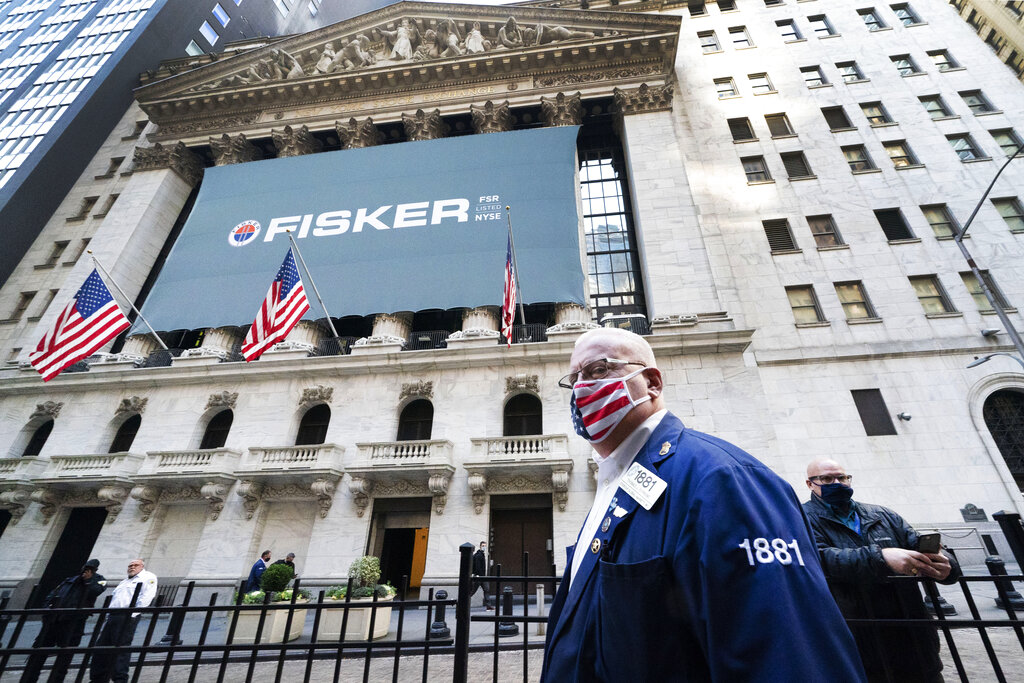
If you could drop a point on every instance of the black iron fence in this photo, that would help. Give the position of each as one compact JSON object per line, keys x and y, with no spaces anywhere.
{"x":435,"y":638}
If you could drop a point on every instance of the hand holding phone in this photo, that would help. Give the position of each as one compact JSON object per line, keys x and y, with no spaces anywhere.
{"x":929,"y":543}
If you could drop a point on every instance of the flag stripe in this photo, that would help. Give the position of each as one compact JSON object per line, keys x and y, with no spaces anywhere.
{"x":508,"y":303}
{"x":598,"y":395}
{"x":282,"y":308}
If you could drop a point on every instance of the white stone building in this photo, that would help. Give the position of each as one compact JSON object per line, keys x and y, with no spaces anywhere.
{"x":786,"y":175}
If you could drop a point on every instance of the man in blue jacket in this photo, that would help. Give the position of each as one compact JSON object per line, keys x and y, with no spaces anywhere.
{"x":695,"y":562}
{"x":260,"y":566}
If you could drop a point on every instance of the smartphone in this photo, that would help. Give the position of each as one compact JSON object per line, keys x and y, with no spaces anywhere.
{"x":929,"y":543}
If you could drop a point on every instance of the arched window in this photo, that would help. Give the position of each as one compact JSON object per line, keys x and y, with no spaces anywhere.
{"x":39,"y":437}
{"x":1004,"y":417}
{"x":122,"y":442}
{"x":523,"y":415}
{"x":416,"y":420}
{"x":216,"y":434}
{"x":313,"y":428}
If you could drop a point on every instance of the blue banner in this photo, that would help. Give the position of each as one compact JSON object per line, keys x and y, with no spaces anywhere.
{"x":401,"y":227}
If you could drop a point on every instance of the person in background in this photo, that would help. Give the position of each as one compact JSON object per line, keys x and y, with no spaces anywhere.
{"x":258,"y":567}
{"x":119,"y":629}
{"x":480,"y":569}
{"x":289,"y":560}
{"x":862,"y":546}
{"x":65,"y":629}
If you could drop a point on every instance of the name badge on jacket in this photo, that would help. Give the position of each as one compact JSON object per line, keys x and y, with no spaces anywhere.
{"x":644,"y":486}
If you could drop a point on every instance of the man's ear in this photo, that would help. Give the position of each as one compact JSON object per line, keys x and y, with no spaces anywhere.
{"x":655,"y":382}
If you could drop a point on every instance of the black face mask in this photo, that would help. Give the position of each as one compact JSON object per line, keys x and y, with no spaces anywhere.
{"x":836,"y":494}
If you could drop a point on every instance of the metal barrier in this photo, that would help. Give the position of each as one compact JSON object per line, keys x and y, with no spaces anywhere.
{"x":227,"y":640}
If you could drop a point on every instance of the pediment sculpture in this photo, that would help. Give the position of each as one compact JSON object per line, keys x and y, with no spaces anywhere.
{"x":410,"y":40}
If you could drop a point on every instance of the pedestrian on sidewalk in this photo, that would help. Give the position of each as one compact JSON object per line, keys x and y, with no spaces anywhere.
{"x":119,"y":629}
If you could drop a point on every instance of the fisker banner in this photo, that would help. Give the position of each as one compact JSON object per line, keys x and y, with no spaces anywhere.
{"x":401,"y":227}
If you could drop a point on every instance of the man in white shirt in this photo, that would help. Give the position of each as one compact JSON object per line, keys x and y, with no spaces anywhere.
{"x":119,"y":629}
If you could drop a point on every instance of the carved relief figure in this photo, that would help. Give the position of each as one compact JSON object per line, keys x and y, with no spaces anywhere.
{"x":323,"y":64}
{"x":556,"y":34}
{"x":448,"y":38}
{"x":355,"y":55}
{"x":402,"y":40}
{"x":475,"y":41}
{"x":428,"y":49}
{"x":510,"y":35}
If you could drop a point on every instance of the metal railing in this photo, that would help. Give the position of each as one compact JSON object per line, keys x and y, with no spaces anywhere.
{"x":233,"y":640}
{"x":334,"y":346}
{"x":427,"y":339}
{"x":526,"y":334}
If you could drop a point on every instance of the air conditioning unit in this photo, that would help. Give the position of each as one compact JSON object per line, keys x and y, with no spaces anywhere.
{"x":633,"y":322}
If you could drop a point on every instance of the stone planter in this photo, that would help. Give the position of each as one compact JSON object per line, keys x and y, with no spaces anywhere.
{"x":273,"y":626}
{"x":358,"y":626}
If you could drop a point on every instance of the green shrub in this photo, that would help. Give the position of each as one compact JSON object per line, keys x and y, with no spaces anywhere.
{"x":276,"y":577}
{"x":335,"y":592}
{"x":253,"y":598}
{"x":364,"y":572}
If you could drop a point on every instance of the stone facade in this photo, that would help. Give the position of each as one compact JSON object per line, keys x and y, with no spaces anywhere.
{"x":736,"y":363}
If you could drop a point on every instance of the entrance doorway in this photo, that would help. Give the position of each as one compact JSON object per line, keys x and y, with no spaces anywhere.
{"x":522,"y":524}
{"x":1004,"y":417}
{"x":398,"y":536}
{"x":72,"y":551}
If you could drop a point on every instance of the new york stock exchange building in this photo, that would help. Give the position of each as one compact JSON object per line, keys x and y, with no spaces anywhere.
{"x":766,"y":191}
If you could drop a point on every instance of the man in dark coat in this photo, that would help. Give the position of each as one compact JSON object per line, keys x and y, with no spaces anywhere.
{"x":695,"y":562}
{"x":260,"y":566}
{"x":64,"y":629}
{"x":480,"y":569}
{"x":862,"y":546}
{"x":289,"y":561}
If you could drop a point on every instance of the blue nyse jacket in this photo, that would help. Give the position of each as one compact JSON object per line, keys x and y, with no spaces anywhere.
{"x":253,"y":583}
{"x":719,"y":580}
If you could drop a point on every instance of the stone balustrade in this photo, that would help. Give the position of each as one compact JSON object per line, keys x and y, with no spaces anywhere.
{"x":533,"y":447}
{"x":406,"y":452}
{"x":318,"y":456}
{"x":202,"y":461}
{"x":100,"y":465}
{"x":21,"y":469}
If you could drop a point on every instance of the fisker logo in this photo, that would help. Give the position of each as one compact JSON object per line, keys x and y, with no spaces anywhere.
{"x":243,"y":233}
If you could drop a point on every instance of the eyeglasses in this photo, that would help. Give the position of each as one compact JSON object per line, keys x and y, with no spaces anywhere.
{"x":832,"y":478}
{"x":594,"y":370}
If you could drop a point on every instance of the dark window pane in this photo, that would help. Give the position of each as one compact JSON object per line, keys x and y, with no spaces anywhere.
{"x":126,"y":435}
{"x":416,"y":421}
{"x":893,"y":225}
{"x":780,"y":238}
{"x":313,"y":428}
{"x":216,"y":434}
{"x":39,"y":437}
{"x":523,"y":415}
{"x":873,"y":412}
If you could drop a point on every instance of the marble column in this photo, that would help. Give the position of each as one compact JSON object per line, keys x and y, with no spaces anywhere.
{"x":390,"y":332}
{"x":301,"y":341}
{"x":479,"y":328}
{"x":571,"y":320}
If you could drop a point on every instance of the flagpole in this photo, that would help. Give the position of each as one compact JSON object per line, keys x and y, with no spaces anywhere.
{"x":125,"y":297}
{"x":312,"y":283}
{"x":515,"y":266}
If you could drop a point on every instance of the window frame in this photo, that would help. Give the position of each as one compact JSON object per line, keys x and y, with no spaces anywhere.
{"x":878,"y":24}
{"x":734,"y":124}
{"x":733,"y":90}
{"x":780,"y":236}
{"x":701,"y":35}
{"x":982,"y":105}
{"x":826,"y":111}
{"x":980,"y":300}
{"x":753,"y":80}
{"x":944,"y":109}
{"x":940,"y":227}
{"x":830,"y":233}
{"x":883,"y":116}
{"x":901,"y":232}
{"x":864,"y":301}
{"x":947,"y":63}
{"x":814,"y":306}
{"x":763,"y":170}
{"x":905,"y":159}
{"x":815,"y":69}
{"x":1017,"y":214}
{"x":865,"y":162}
{"x":772,"y":119}
{"x":1011,"y":134}
{"x":848,"y":69}
{"x":973,"y":149}
{"x":793,"y":157}
{"x":745,"y":42}
{"x":912,"y":18}
{"x":824,"y":29}
{"x":782,"y":24}
{"x":911,"y":68}
{"x":938,"y":295}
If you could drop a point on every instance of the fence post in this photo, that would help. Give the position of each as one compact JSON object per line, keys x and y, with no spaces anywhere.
{"x":1009,"y":523}
{"x":177,"y":619}
{"x":461,"y":665}
{"x":540,"y":609}
{"x":996,"y":567}
{"x":438,"y":627}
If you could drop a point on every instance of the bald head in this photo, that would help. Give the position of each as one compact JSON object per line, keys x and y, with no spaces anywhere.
{"x":135,"y":566}
{"x":822,"y":466}
{"x":630,"y":346}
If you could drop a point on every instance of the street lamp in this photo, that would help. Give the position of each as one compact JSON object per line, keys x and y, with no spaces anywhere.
{"x":984,"y":359}
{"x":958,"y":237}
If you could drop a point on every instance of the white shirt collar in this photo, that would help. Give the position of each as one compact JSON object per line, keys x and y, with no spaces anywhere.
{"x":632,"y":443}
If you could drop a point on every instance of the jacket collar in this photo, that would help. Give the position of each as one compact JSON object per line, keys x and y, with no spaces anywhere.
{"x":866,"y":513}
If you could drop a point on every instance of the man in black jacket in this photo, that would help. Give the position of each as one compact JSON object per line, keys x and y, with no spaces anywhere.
{"x":862,"y":546}
{"x":63,"y":629}
{"x":480,"y":569}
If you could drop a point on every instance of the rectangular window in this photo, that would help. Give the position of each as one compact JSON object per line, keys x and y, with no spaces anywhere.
{"x":788,"y":30}
{"x":760,"y":84}
{"x":778,"y":125}
{"x":931,"y":294}
{"x":281,"y":7}
{"x":823,"y":228}
{"x":708,"y":42}
{"x":1012,"y":212}
{"x":964,"y":146}
{"x":220,"y":15}
{"x":871,"y":19}
{"x":905,"y":14}
{"x":980,"y":300}
{"x":24,"y":301}
{"x":313,"y":9}
{"x":796,"y":165}
{"x":726,"y":87}
{"x":85,"y":208}
{"x":50,"y":296}
{"x":942,"y":221}
{"x":211,"y":36}
{"x":697,"y":8}
{"x":726,"y":5}
{"x":943,"y":60}
{"x":1007,"y":139}
{"x":772,"y":3}
{"x":874,"y":415}
{"x":905,"y":66}
{"x":900,"y":153}
{"x":875,"y":113}
{"x":893,"y":224}
{"x":740,"y":38}
{"x":854,"y":300}
{"x":55,"y":254}
{"x":976,"y":101}
{"x":813,"y":76}
{"x":935,"y":106}
{"x":836,"y":118}
{"x":857,"y":157}
{"x":741,"y":130}
{"x":995,"y":40}
{"x":756,"y":169}
{"x":821,"y":26}
{"x":804,"y":303}
{"x":780,"y":237}
{"x":1015,"y":62}
{"x":850,"y":72}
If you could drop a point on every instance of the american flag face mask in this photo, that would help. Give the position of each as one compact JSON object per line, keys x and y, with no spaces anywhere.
{"x":598,"y":406}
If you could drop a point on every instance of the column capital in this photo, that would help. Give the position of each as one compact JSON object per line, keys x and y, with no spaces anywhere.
{"x":643,"y":99}
{"x":490,"y":118}
{"x":357,"y":134}
{"x":424,"y":126}
{"x":229,"y":150}
{"x":562,"y":109}
{"x":178,"y":158}
{"x":295,"y":142}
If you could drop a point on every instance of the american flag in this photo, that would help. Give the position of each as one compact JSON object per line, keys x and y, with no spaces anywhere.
{"x":88,"y":322}
{"x":593,"y":413}
{"x":285,"y":303}
{"x":508,"y":304}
